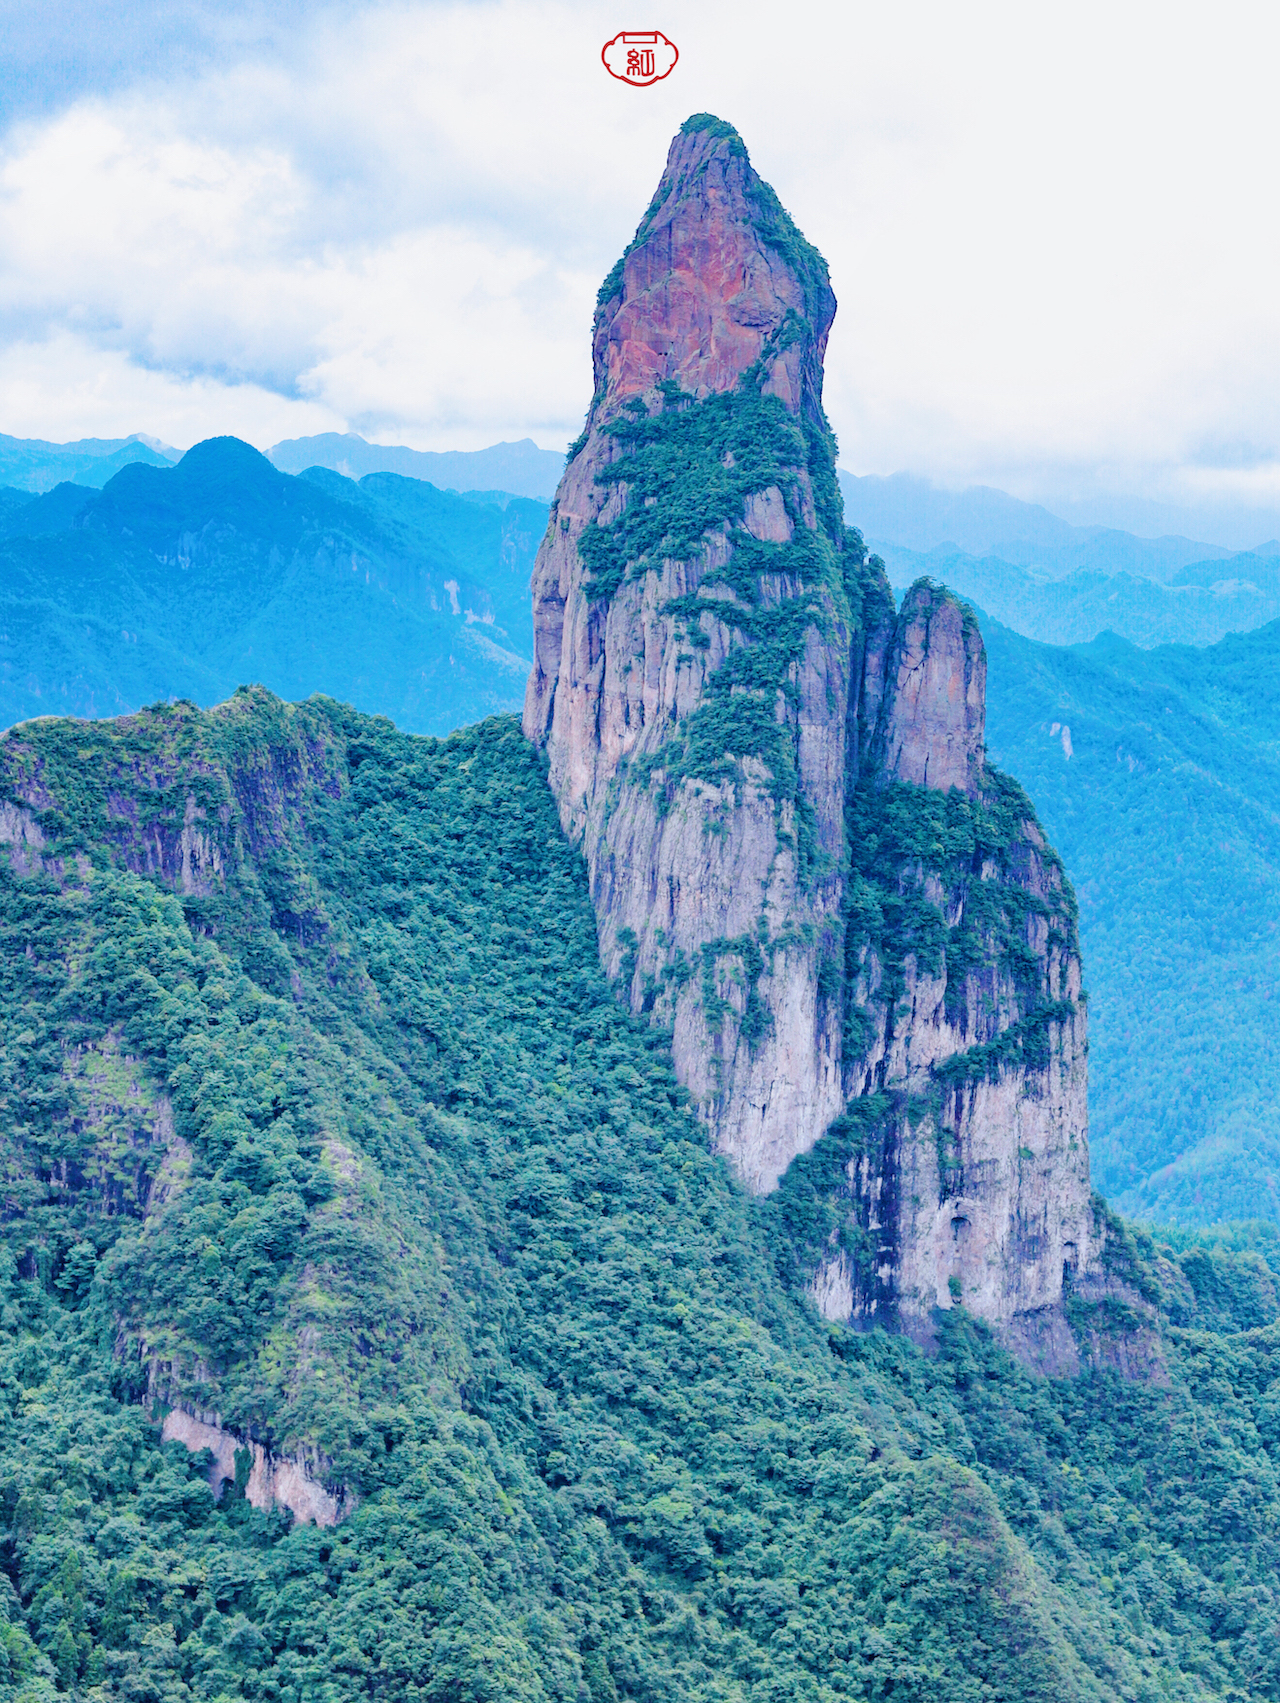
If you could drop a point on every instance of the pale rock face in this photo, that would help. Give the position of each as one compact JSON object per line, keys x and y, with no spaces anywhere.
{"x":20,"y":831}
{"x":1020,"y":1213}
{"x":199,"y":855}
{"x":273,"y":1482}
{"x":1008,"y":1217}
{"x":715,"y":873}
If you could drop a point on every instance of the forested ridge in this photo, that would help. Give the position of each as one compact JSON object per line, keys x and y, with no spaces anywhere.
{"x":184,"y":581}
{"x":318,"y":1113}
{"x":1155,"y":774}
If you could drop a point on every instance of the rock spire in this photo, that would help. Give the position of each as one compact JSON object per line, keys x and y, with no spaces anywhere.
{"x":798,"y":858}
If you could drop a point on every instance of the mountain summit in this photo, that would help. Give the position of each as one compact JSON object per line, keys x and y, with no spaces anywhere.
{"x":799,"y":860}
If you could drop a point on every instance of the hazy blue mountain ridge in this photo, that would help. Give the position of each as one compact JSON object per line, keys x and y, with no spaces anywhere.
{"x":500,"y":470}
{"x":521,"y":469}
{"x":1157,"y":775}
{"x":31,"y":464}
{"x":914,"y":514}
{"x":186,"y":581}
{"x":1198,"y":605}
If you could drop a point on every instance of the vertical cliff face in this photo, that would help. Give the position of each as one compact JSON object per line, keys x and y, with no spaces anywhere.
{"x":798,"y":859}
{"x":692,"y":648}
{"x":935,"y":683}
{"x":967,"y":1177}
{"x":958,"y":1172}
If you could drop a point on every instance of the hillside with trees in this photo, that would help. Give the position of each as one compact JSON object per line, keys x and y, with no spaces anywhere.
{"x":359,"y":1136}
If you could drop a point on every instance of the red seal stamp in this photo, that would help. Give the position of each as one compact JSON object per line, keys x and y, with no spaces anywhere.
{"x":640,"y":57}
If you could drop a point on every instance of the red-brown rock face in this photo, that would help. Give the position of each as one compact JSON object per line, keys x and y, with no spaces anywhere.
{"x":727,"y":698}
{"x":704,"y":286}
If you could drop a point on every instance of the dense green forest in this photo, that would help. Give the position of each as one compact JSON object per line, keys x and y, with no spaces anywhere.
{"x":1157,"y":777}
{"x":188,"y":580}
{"x":318,"y":1109}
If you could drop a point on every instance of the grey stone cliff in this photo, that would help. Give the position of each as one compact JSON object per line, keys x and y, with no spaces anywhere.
{"x":705,"y":875}
{"x":737,"y":724}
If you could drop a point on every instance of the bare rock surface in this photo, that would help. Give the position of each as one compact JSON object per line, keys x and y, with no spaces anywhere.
{"x":271,"y":1481}
{"x":935,"y":706}
{"x":704,"y":907}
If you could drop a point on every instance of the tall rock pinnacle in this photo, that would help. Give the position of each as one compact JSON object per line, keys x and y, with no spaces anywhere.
{"x":738,"y":726}
{"x":692,"y":650}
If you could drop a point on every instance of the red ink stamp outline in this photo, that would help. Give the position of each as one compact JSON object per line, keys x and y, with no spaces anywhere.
{"x":639,"y":57}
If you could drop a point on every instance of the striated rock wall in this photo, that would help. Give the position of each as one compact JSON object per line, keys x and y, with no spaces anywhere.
{"x":934,"y":714}
{"x":798,"y":859}
{"x":966,"y":1025}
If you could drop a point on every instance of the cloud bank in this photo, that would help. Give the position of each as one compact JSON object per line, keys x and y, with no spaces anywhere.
{"x":1051,"y":234}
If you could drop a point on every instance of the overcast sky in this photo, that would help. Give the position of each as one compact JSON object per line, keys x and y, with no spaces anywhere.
{"x":1052,"y":230}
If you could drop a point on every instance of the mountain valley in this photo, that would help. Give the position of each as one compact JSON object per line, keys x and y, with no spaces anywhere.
{"x":186,"y":581}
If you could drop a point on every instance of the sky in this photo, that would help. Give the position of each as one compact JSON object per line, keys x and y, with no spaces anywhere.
{"x":1052,"y":231}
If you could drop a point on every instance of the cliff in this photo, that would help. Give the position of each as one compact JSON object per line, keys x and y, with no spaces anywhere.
{"x":799,"y":862}
{"x":692,"y":642}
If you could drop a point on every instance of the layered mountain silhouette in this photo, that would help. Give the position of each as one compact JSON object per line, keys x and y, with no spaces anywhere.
{"x":521,"y":469}
{"x":32,"y":464}
{"x":186,"y":581}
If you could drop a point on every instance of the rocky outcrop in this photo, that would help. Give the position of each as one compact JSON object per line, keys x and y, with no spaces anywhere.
{"x":934,"y":715}
{"x":267,"y":1480}
{"x":798,"y":858}
{"x":20,"y":831}
{"x":966,"y":999}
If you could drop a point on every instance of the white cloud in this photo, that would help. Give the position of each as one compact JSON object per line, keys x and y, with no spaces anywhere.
{"x":68,"y":387}
{"x":1049,"y":230}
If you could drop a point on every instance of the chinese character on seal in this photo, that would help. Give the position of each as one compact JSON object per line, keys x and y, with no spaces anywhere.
{"x":640,"y":57}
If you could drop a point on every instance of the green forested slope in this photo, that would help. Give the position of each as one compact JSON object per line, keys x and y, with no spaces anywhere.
{"x":1163,"y":797}
{"x":188,"y":580}
{"x":351,"y":1141}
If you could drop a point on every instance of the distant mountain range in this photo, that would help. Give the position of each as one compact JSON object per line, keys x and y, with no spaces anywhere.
{"x":521,"y":468}
{"x":1027,"y":567}
{"x":1199,"y":605}
{"x":187,"y":581}
{"x":1059,"y":583}
{"x":1157,"y":776}
{"x":912,"y":514}
{"x":504,"y":469}
{"x":31,"y":464}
